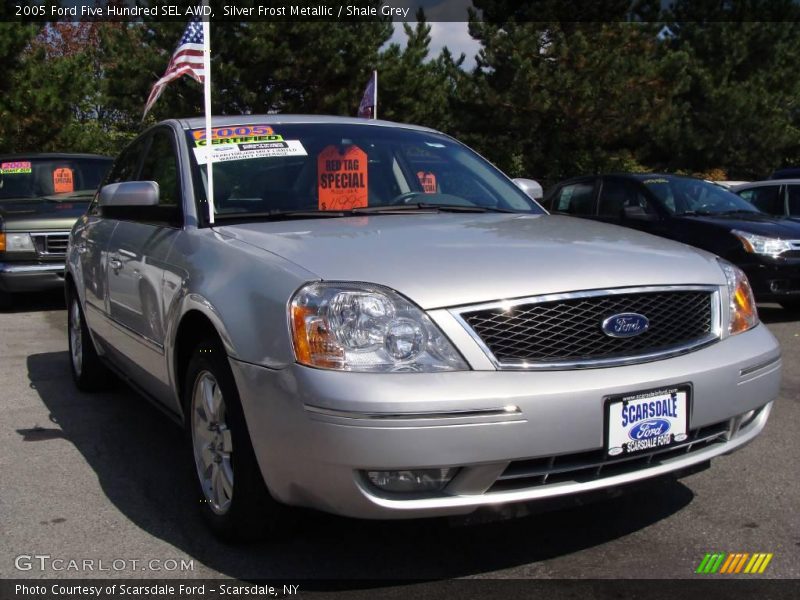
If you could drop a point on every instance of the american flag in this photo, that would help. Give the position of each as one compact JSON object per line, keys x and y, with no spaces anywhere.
{"x":369,"y":102}
{"x":186,"y":60}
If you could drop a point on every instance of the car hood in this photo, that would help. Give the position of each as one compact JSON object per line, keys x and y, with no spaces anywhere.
{"x":41,"y":214}
{"x":440,"y":260}
{"x":758,"y":223}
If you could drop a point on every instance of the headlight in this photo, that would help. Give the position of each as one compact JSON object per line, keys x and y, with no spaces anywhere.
{"x":357,"y":327}
{"x":759,"y":244}
{"x":18,"y":242}
{"x":743,"y":313}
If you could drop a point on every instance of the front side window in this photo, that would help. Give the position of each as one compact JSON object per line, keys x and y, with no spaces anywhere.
{"x":160,"y":165}
{"x":126,"y":167}
{"x":617,"y":195}
{"x":576,"y":199}
{"x":267,"y":169}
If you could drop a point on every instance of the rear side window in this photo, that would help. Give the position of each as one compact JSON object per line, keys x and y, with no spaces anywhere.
{"x":767,"y":199}
{"x":576,"y":199}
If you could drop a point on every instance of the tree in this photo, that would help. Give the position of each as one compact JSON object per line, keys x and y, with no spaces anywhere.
{"x":15,"y":37}
{"x":552,"y":99}
{"x":414,"y":88}
{"x":741,"y":106}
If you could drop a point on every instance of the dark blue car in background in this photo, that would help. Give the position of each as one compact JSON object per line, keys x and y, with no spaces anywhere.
{"x":698,"y":213}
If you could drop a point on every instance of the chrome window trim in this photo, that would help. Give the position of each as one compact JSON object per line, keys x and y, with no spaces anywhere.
{"x":716,"y":328}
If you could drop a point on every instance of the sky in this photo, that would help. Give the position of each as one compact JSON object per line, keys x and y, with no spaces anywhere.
{"x":454,"y":35}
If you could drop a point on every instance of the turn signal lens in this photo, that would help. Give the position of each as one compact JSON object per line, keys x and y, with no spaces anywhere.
{"x":313,"y":342}
{"x":2,"y":242}
{"x":743,"y":312}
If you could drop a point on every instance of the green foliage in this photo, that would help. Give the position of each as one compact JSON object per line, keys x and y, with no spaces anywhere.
{"x":703,"y":89}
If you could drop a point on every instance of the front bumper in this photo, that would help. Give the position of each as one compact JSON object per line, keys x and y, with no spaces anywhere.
{"x":30,"y":276}
{"x":316,"y":431}
{"x":774,"y":280}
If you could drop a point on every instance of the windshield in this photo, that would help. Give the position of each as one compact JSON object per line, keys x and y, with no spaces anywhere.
{"x":695,"y":196}
{"x":325,"y":168}
{"x":23,"y":177}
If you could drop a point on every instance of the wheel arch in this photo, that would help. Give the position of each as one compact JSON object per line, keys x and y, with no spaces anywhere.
{"x":194,"y":327}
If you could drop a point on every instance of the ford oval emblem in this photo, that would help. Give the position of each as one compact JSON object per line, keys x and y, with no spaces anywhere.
{"x":649,"y":429}
{"x":625,"y":325}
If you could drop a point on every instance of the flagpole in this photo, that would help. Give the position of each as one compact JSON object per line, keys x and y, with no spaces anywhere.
{"x":375,"y":96}
{"x":207,"y":102}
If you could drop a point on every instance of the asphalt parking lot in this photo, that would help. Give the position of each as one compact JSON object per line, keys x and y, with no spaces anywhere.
{"x":105,"y":478}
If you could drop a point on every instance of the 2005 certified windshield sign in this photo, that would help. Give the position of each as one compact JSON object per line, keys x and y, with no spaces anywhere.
{"x":242,"y":142}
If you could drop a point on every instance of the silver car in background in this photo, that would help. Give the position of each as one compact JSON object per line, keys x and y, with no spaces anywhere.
{"x":380,"y":324}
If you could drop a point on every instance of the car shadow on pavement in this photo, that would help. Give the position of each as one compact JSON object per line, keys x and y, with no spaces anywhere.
{"x":775,"y":313}
{"x":139,"y":458}
{"x":36,"y":301}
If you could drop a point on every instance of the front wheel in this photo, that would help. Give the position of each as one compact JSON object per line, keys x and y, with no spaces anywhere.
{"x":88,"y":371}
{"x":233,"y":497}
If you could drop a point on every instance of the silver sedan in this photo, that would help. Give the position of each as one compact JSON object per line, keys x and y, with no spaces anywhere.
{"x":369,"y":319}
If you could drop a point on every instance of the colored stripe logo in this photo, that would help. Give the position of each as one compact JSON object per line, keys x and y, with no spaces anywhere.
{"x":734,"y":563}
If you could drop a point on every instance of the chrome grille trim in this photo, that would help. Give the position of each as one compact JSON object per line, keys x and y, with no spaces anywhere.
{"x":716,"y":328}
{"x":51,"y":243}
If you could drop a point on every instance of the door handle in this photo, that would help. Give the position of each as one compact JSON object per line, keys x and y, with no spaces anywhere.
{"x":115,"y":265}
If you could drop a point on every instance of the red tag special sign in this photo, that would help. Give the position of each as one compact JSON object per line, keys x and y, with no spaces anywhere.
{"x":342,"y":178}
{"x":63,"y":181}
{"x":428,"y":181}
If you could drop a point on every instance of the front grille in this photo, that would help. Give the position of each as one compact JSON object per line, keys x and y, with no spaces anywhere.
{"x":568,"y":330}
{"x":589,"y":466}
{"x":51,"y":244}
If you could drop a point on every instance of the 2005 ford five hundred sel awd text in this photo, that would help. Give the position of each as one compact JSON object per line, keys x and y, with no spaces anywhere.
{"x":369,"y":319}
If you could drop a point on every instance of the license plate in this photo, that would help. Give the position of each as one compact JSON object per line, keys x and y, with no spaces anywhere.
{"x":647,"y":421}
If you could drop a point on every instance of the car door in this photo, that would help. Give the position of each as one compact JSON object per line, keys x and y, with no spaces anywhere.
{"x":91,"y":239}
{"x":138,"y":254}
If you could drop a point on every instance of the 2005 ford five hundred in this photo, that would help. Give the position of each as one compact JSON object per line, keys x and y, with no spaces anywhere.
{"x":376,"y":322}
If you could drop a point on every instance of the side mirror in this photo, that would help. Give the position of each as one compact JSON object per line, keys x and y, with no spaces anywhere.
{"x":531,"y":188}
{"x":637,"y":213}
{"x":129,"y":193}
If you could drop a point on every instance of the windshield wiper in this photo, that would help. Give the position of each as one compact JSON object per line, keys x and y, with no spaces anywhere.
{"x":740,"y":211}
{"x":422,"y":207}
{"x":695,"y":213}
{"x":426,"y":207}
{"x":281,"y":215}
{"x":67,"y":196}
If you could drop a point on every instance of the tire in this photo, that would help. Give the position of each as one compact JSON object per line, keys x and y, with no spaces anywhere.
{"x":234,"y":499}
{"x":5,"y":300}
{"x":791,"y":305}
{"x":88,"y":371}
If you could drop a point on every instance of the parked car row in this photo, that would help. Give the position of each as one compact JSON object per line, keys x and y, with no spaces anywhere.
{"x":765,"y":245}
{"x":41,"y":197}
{"x":379,"y":323}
